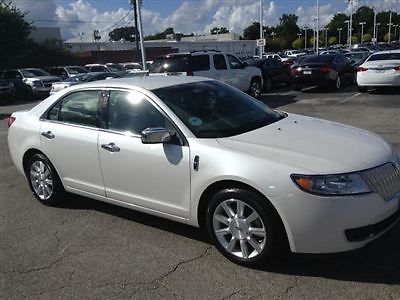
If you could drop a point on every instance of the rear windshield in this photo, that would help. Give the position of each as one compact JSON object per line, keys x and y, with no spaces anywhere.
{"x":385,"y":56}
{"x":318,"y":59}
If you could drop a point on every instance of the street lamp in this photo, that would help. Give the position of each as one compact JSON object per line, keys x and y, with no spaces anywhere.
{"x":362,"y":31}
{"x":273,"y":34}
{"x":340,"y":32}
{"x":348,"y":31}
{"x":395,"y":31}
{"x":377,"y":31}
{"x":326,"y":37}
{"x":305,"y":37}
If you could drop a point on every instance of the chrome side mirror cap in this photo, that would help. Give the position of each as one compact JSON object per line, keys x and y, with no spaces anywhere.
{"x":156,"y":135}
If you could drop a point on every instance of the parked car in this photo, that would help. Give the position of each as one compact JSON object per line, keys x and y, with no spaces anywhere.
{"x":281,"y":57}
{"x":67,"y":71}
{"x":7,"y":90}
{"x":132,"y":66}
{"x":356,"y":58}
{"x":82,"y":78}
{"x":379,"y":70}
{"x":330,"y":70}
{"x":200,"y":152}
{"x":294,"y":53}
{"x":212,"y":64}
{"x":273,"y":72}
{"x":31,"y":82}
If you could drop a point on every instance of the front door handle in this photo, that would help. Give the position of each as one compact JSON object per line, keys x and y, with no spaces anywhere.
{"x":48,"y":134}
{"x":110,"y":147}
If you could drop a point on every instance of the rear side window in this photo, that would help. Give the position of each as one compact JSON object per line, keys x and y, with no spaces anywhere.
{"x":200,"y":63}
{"x":131,"y":112}
{"x":219,"y":62}
{"x":173,"y":63}
{"x":385,"y":56}
{"x":79,"y":108}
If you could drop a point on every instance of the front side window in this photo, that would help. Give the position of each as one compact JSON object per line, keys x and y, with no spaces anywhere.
{"x":211,"y":109}
{"x":79,"y":108}
{"x":131,"y":112}
{"x":219,"y":62}
{"x":234,"y":63}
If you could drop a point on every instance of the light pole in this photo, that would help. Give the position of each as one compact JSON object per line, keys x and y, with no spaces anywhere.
{"x":261,"y":27}
{"x":395,"y":31}
{"x":362,"y":31}
{"x":305,"y":37}
{"x":377,"y":31}
{"x":390,"y":25}
{"x":348,"y":31}
{"x":340,"y":31}
{"x":273,"y":34}
{"x":351,"y":22}
{"x":375,"y":37}
{"x":326,"y":37}
{"x":317,"y":26}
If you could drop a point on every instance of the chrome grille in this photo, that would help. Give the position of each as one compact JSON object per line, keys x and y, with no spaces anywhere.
{"x":384,"y":180}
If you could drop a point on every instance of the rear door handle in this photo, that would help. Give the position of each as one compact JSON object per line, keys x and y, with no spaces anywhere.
{"x":110,"y":147}
{"x":48,"y":134}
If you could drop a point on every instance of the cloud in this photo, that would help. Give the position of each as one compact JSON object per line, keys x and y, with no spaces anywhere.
{"x":308,"y":15}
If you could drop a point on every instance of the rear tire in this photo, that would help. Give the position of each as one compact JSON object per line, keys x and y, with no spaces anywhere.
{"x":245,"y":228}
{"x":338,"y":83}
{"x":43,"y":180}
{"x":255,"y":88}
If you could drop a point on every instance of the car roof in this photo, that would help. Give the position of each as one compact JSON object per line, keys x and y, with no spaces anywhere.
{"x":146,"y":82}
{"x":386,"y":52}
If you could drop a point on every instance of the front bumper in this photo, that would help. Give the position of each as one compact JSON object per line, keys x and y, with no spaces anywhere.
{"x":318,"y":224}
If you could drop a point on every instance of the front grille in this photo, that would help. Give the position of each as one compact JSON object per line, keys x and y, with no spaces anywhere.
{"x":384,"y":180}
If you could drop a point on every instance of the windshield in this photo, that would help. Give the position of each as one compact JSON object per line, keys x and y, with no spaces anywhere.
{"x":327,"y":58}
{"x":385,"y":56}
{"x":76,"y":70}
{"x":116,"y":68}
{"x":34,"y":72}
{"x":213,"y":110}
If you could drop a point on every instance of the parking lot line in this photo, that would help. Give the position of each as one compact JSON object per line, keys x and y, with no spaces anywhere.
{"x":349,"y":98}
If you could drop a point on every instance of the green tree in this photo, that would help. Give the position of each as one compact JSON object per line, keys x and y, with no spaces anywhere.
{"x":14,"y":35}
{"x":252,"y":32}
{"x":122,"y":33}
{"x":367,"y":37}
{"x":160,"y":35}
{"x":298,"y":43}
{"x":287,"y":27}
{"x":332,"y":40}
{"x":218,"y":30}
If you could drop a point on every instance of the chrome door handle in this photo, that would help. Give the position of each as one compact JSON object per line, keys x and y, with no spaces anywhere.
{"x":110,"y":147}
{"x":48,"y":134}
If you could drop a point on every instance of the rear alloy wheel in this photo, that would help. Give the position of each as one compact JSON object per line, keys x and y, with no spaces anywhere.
{"x":43,"y":180}
{"x":255,"y":88}
{"x":244,"y":228}
{"x":338,"y":83}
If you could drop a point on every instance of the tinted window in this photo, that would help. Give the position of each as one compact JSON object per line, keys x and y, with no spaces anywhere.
{"x":78,"y":108}
{"x":36,"y":72}
{"x":12,"y":75}
{"x":211,"y":109}
{"x":98,"y":69}
{"x":219,"y":62}
{"x":234,"y":63}
{"x":385,"y":56}
{"x":173,"y":63}
{"x":76,"y":70}
{"x":131,"y":112}
{"x":200,"y":63}
{"x":317,"y":59}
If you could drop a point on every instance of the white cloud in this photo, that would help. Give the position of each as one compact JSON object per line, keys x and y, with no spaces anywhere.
{"x":307,"y":15}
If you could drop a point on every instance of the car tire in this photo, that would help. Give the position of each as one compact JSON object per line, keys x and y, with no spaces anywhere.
{"x":44,"y":180}
{"x":268,"y":84}
{"x":245,"y":227}
{"x":255,"y":88}
{"x":362,"y":89}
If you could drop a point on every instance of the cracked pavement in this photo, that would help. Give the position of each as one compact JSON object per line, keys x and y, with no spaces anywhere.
{"x":89,"y":249}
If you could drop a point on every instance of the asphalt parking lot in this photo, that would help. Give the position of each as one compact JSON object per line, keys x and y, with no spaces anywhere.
{"x":89,"y":249}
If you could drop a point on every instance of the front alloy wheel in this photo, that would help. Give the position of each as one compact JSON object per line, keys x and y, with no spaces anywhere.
{"x":239,"y":228}
{"x":255,"y":89}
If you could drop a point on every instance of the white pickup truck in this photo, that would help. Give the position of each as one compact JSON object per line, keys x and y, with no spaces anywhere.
{"x":213,"y":64}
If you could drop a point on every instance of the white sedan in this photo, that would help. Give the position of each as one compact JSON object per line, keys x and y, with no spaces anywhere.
{"x":381,"y":69}
{"x":200,"y":152}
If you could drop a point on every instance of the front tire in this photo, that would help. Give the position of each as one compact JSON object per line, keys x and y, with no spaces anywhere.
{"x":244,"y":227}
{"x":43,"y":180}
{"x":338,"y":83}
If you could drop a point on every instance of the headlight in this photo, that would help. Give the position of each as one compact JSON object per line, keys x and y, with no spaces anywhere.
{"x":338,"y":184}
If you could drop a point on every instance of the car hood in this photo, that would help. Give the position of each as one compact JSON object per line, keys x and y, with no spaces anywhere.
{"x":315,"y":145}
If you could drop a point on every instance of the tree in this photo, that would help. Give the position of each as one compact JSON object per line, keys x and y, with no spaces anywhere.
{"x":367,"y":37}
{"x":122,"y":33}
{"x":298,"y":43}
{"x":218,"y":30}
{"x":14,"y":35}
{"x":332,"y":40}
{"x":252,"y":32}
{"x":160,"y":35}
{"x":287,"y":27}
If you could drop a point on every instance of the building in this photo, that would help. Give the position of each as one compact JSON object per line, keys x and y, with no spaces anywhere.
{"x":102,"y":52}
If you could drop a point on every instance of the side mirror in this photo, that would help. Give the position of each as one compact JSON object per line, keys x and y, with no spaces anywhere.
{"x":156,"y":135}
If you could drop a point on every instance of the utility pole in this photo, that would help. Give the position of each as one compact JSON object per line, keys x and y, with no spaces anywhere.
{"x":326,"y":37}
{"x":348,"y":31}
{"x":362,"y":31}
{"x":261,"y":28}
{"x":390,"y":24}
{"x":340,"y":31}
{"x":136,"y":26}
{"x":138,"y":9}
{"x":377,"y":31}
{"x":317,"y":27}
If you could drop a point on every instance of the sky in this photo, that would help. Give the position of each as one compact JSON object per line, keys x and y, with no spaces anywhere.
{"x":78,"y":18}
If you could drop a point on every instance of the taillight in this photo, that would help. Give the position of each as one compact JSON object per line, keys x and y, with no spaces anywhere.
{"x":294,"y":71}
{"x":324,"y":69}
{"x":10,"y":120}
{"x":397,"y":68}
{"x":189,"y":73}
{"x":361,"y":69}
